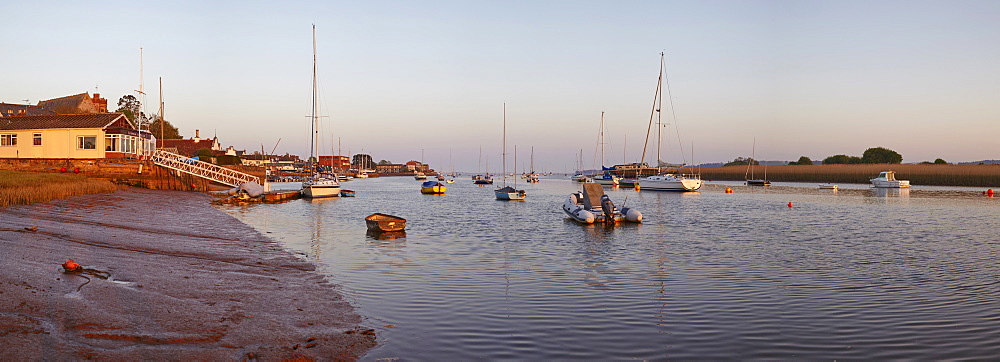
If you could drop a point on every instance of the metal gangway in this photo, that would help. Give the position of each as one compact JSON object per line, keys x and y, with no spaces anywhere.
{"x":201,"y":169}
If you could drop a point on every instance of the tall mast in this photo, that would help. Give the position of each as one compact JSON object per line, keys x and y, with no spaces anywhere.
{"x":657,"y":100}
{"x":161,"y":111}
{"x":504,"y":154}
{"x":659,"y":114}
{"x":313,"y":145}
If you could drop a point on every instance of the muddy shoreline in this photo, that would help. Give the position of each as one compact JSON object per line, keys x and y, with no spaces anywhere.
{"x":186,"y":281}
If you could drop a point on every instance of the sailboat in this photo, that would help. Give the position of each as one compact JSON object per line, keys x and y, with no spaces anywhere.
{"x":451,"y":164}
{"x":507,"y":192}
{"x":480,"y":179}
{"x":579,"y":176}
{"x":320,"y":184}
{"x":664,"y":181}
{"x":532,"y":176}
{"x":607,"y":178}
{"x":749,"y":174}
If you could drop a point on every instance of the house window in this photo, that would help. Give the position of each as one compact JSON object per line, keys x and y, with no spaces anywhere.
{"x":8,"y":139}
{"x":36,"y":139}
{"x":111,"y":143}
{"x":86,"y":142}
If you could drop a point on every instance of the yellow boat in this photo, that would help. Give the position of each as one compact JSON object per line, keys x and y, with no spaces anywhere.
{"x":433,"y":188}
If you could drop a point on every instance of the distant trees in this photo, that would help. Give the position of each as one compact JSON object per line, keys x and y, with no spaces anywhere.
{"x":802,"y":161}
{"x":940,"y":162}
{"x":169,"y":131}
{"x":384,"y":162}
{"x":740,"y":161}
{"x":841,"y":160}
{"x":881,"y":155}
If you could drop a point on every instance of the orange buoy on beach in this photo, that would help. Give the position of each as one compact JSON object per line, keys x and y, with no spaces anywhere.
{"x":989,"y":192}
{"x":729,"y":190}
{"x":790,"y":204}
{"x":71,"y":266}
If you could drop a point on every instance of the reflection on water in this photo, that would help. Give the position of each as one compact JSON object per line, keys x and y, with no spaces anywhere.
{"x":860,"y":273}
{"x":386,"y":235}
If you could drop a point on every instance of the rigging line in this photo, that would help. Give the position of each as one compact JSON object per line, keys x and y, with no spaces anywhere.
{"x":673,"y":114}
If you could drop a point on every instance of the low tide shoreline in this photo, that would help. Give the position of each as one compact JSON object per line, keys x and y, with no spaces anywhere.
{"x":186,"y":281}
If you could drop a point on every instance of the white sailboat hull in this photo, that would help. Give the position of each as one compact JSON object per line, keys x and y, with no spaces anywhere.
{"x":670,"y":183}
{"x":320,"y":189}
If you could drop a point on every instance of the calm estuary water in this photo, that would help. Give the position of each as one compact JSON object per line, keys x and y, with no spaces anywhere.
{"x":850,"y":274}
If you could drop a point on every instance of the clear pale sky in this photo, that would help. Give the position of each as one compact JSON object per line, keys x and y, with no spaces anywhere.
{"x":813,"y":78}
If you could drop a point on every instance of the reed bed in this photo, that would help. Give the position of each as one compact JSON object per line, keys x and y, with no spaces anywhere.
{"x":937,"y":175}
{"x":21,"y":188}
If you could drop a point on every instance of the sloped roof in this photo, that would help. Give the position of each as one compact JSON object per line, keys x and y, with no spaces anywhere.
{"x":187,"y":146}
{"x":10,"y":109}
{"x":59,"y":121}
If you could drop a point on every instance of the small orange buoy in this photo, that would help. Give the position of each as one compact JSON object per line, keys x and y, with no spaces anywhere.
{"x":729,"y":190}
{"x":790,"y":204}
{"x":76,"y":170}
{"x":71,"y":266}
{"x":62,"y":169}
{"x":989,"y":192}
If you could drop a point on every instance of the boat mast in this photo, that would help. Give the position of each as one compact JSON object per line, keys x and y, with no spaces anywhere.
{"x":161,"y":112}
{"x":313,"y":150}
{"x":657,"y":99}
{"x":504,"y":153}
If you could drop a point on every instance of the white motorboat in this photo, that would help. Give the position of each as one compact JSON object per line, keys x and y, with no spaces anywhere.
{"x":593,"y":206}
{"x":887,"y":179}
{"x":670,"y":182}
{"x":361,"y":175}
{"x":828,"y":186}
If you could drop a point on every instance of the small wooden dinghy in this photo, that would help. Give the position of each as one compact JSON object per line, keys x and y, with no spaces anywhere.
{"x":385,"y":222}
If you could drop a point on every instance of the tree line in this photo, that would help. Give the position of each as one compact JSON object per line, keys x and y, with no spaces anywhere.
{"x":870,"y":156}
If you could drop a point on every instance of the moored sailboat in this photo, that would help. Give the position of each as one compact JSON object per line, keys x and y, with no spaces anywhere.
{"x":508,"y":192}
{"x":320,"y":184}
{"x":664,"y":181}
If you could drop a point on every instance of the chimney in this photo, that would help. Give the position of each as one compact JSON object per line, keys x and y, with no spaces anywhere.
{"x":197,"y":136}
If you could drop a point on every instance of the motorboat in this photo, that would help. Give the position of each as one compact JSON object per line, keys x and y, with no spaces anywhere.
{"x":828,"y":186}
{"x":758,"y":182}
{"x":361,"y":175}
{"x":670,"y":182}
{"x":432,"y":188}
{"x":482,"y":180}
{"x":419,"y":176}
{"x":593,"y":206}
{"x":887,"y":179}
{"x":346,"y":193}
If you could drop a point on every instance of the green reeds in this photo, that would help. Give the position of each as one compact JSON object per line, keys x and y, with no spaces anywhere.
{"x":21,"y":188}
{"x":919,"y":174}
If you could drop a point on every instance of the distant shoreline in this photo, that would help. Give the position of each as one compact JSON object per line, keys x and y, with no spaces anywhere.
{"x":187,"y":281}
{"x":930,"y":175}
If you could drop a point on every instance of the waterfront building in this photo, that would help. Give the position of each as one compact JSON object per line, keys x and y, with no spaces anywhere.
{"x":100,"y":135}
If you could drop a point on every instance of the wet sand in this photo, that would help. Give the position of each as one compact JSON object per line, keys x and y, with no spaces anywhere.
{"x":186,"y":281}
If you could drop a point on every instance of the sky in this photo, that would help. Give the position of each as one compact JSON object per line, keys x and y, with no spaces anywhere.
{"x":428,"y":80}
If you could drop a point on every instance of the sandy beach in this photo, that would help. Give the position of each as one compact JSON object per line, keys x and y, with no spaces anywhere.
{"x":186,"y":281}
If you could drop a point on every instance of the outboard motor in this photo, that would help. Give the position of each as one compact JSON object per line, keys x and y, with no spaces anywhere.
{"x":607,"y":206}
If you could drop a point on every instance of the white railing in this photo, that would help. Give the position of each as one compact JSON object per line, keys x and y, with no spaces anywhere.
{"x":201,"y":169}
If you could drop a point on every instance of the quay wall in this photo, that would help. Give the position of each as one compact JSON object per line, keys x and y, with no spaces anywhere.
{"x":130,"y":172}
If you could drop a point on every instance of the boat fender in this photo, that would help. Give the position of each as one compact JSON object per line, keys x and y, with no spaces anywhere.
{"x":632,"y":215}
{"x":606,"y":205}
{"x":585,"y":216}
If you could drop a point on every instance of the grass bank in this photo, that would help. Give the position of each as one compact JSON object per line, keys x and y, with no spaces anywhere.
{"x":21,"y":188}
{"x":937,"y":175}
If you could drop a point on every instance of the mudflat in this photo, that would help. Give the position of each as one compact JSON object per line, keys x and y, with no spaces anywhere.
{"x":183,"y":281}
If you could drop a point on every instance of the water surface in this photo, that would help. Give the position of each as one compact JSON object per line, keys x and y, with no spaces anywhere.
{"x":855,"y":273}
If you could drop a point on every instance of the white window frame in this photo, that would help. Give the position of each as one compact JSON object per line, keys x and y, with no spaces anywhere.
{"x":82,"y":145}
{"x":8,"y":139}
{"x":111,"y":141}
